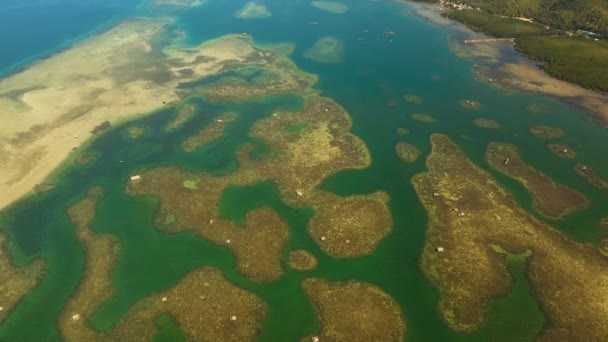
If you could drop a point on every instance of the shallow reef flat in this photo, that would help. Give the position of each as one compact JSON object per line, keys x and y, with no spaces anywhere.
{"x":302,"y":260}
{"x":547,"y":132}
{"x":486,"y":123}
{"x":189,"y":201}
{"x":331,"y":6}
{"x":209,"y":133}
{"x":203,"y":303}
{"x":423,"y":117}
{"x":354,"y":311}
{"x":462,"y":201}
{"x":407,"y":152}
{"x":549,"y":198}
{"x":253,"y":10}
{"x":347,"y":227}
{"x":96,"y":284}
{"x":562,"y":150}
{"x":328,"y":50}
{"x":470,"y":105}
{"x":132,"y":68}
{"x":183,"y":113}
{"x":16,"y":281}
{"x":589,"y":174}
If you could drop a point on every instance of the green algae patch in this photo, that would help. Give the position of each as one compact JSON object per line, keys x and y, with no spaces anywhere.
{"x":204,"y":305}
{"x":191,"y":184}
{"x":411,"y":98}
{"x":333,"y":7}
{"x":169,"y":219}
{"x":328,"y":50}
{"x":354,"y":311}
{"x":468,"y":272}
{"x":168,"y":330}
{"x":486,"y":123}
{"x":253,"y":10}
{"x":302,"y":260}
{"x":352,"y":226}
{"x":407,"y":152}
{"x":296,"y":128}
{"x":211,"y":132}
{"x":589,"y":174}
{"x":470,"y":104}
{"x":562,"y":150}
{"x":16,"y":282}
{"x":183,"y":114}
{"x":549,"y":198}
{"x":96,"y":284}
{"x":538,"y":108}
{"x":422,"y":117}
{"x":134,"y":132}
{"x":547,"y":132}
{"x":402,"y":131}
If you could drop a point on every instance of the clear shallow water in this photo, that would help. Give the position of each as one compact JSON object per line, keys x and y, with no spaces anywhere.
{"x":375,"y":72}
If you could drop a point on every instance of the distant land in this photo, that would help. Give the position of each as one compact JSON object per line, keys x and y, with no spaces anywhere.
{"x":569,"y":38}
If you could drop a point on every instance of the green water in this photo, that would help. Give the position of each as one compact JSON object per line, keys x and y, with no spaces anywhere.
{"x":375,"y":72}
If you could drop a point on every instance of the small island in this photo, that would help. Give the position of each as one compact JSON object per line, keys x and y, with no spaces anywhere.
{"x":547,"y":132}
{"x":562,"y":150}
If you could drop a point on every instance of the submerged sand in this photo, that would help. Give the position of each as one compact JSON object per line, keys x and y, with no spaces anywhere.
{"x":328,"y":49}
{"x":48,"y":110}
{"x":253,"y":10}
{"x":331,"y":6}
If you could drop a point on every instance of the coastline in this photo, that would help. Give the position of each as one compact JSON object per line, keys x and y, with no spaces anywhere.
{"x":499,"y":64}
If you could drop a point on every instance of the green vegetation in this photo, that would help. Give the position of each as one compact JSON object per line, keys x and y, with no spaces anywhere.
{"x":497,"y":26}
{"x":591,"y":15}
{"x":576,"y":60}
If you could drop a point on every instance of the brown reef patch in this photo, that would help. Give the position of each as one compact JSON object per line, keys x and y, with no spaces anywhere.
{"x":96,"y":283}
{"x":347,"y":227}
{"x":411,"y":98}
{"x":205,"y":305}
{"x":463,"y":201}
{"x":209,"y":133}
{"x":354,"y":311}
{"x":547,"y":132}
{"x":549,"y":198}
{"x":589,"y":174}
{"x":16,"y":282}
{"x":422,"y":117}
{"x":183,"y":114}
{"x":302,"y":260}
{"x":470,"y":104}
{"x":407,"y":152}
{"x":562,"y":150}
{"x":486,"y":123}
{"x":604,"y":222}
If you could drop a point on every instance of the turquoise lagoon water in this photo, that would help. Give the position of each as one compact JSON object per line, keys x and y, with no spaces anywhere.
{"x":377,"y":71}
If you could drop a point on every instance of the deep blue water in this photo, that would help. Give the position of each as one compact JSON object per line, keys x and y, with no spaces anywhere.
{"x":31,"y":29}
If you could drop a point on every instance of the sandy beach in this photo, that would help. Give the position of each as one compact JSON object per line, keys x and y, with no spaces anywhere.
{"x":50,"y":108}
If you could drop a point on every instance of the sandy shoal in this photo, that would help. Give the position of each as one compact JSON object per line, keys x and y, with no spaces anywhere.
{"x":50,"y":108}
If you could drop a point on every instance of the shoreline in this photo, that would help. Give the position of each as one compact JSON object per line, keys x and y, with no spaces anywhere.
{"x":513,"y":72}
